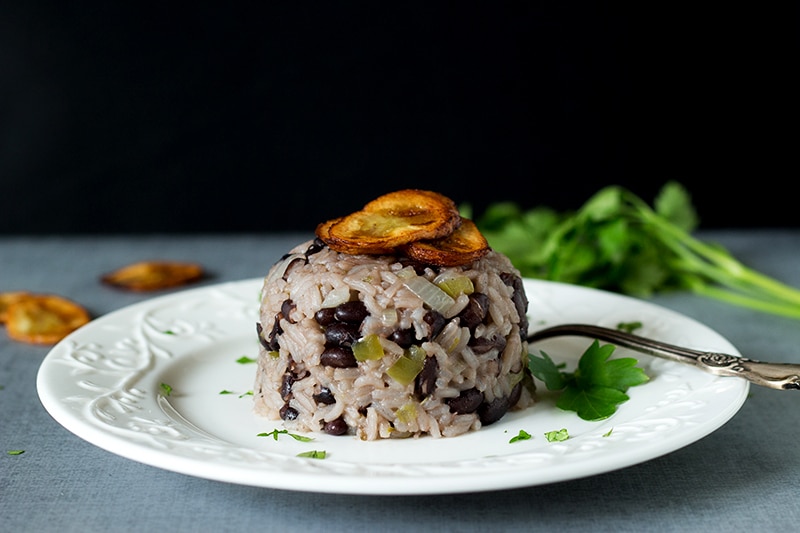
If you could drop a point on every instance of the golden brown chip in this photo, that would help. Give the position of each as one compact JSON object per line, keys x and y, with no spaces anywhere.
{"x":44,"y":318}
{"x":323,"y":230}
{"x":6,"y":299}
{"x":464,"y":245}
{"x":391,"y":221}
{"x":153,"y":275}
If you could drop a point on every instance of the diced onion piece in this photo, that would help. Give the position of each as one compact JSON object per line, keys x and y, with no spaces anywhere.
{"x":336,"y":297}
{"x":450,"y":338}
{"x":389,"y":317}
{"x":408,"y":365}
{"x":406,"y":273}
{"x":431,"y":295}
{"x":454,"y":286}
{"x":406,"y":413}
{"x":367,"y":347}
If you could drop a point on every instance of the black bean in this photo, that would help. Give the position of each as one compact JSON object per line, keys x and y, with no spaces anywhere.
{"x":418,"y":267}
{"x":324,"y":396}
{"x":341,"y":334}
{"x":261,"y":339}
{"x":338,"y":357}
{"x":515,"y":395}
{"x":475,"y":311}
{"x":335,"y":427}
{"x":272,"y":340}
{"x":436,"y":321}
{"x":491,"y":412}
{"x":286,"y":385}
{"x":291,"y":264}
{"x":325,"y":316}
{"x":353,"y":312}
{"x":286,"y":310}
{"x":482,"y":345}
{"x":426,"y":379}
{"x":403,"y":337}
{"x":288,"y":413}
{"x":316,"y":246}
{"x":466,"y":402}
{"x":520,"y":300}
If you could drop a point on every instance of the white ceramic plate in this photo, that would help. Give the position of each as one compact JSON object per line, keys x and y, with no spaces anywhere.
{"x":103,"y":383}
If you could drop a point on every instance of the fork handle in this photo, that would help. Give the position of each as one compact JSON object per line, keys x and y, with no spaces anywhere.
{"x":782,"y":376}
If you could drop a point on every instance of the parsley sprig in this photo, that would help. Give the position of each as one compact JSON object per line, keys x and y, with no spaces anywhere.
{"x":275,"y":432}
{"x":617,"y":242}
{"x":522,"y":435}
{"x":597,"y":386}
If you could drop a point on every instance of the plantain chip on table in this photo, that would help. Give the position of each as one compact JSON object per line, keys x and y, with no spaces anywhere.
{"x":41,"y":318}
{"x":8,"y":298}
{"x":147,"y":276}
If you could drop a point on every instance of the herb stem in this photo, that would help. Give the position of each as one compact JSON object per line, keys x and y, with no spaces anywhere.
{"x":765,"y":294}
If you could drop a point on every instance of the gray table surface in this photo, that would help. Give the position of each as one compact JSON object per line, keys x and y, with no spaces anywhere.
{"x":744,"y":476}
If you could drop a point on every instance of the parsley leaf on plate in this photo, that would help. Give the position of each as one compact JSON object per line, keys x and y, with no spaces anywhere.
{"x":557,"y":435}
{"x":314,"y":454}
{"x":522,"y":435}
{"x":597,"y":387}
{"x":275,"y":432}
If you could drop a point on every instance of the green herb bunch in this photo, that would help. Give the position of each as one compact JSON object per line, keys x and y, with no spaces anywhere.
{"x":617,"y":242}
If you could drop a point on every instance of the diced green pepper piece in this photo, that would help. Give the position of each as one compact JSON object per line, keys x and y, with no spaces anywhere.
{"x":408,"y":366}
{"x":457,"y":285}
{"x":367,"y":347}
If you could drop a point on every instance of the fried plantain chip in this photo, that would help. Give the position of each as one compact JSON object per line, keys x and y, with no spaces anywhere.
{"x":153,"y":275}
{"x":391,"y":221}
{"x":44,"y":318}
{"x":323,"y":230}
{"x":8,"y":298}
{"x":465,"y":245}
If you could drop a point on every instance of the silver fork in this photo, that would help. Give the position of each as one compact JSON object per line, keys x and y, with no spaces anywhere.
{"x":782,"y":376}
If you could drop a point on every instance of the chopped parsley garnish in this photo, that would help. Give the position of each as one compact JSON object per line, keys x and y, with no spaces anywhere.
{"x":558,"y":435}
{"x":314,"y":454}
{"x":224,"y":392}
{"x":243,"y":360}
{"x":522,"y":435}
{"x":629,"y":327}
{"x":166,"y":389}
{"x":597,"y":387}
{"x":276,"y":432}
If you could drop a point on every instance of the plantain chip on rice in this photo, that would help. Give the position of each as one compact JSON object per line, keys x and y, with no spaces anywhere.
{"x":465,"y":245}
{"x":391,"y":221}
{"x":44,"y":318}
{"x":8,"y":298}
{"x":153,"y":275}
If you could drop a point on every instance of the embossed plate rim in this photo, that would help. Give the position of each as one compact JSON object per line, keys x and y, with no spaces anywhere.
{"x":102,"y":383}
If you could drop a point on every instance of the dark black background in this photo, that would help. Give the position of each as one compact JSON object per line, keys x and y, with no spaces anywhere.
{"x":145,"y":117}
